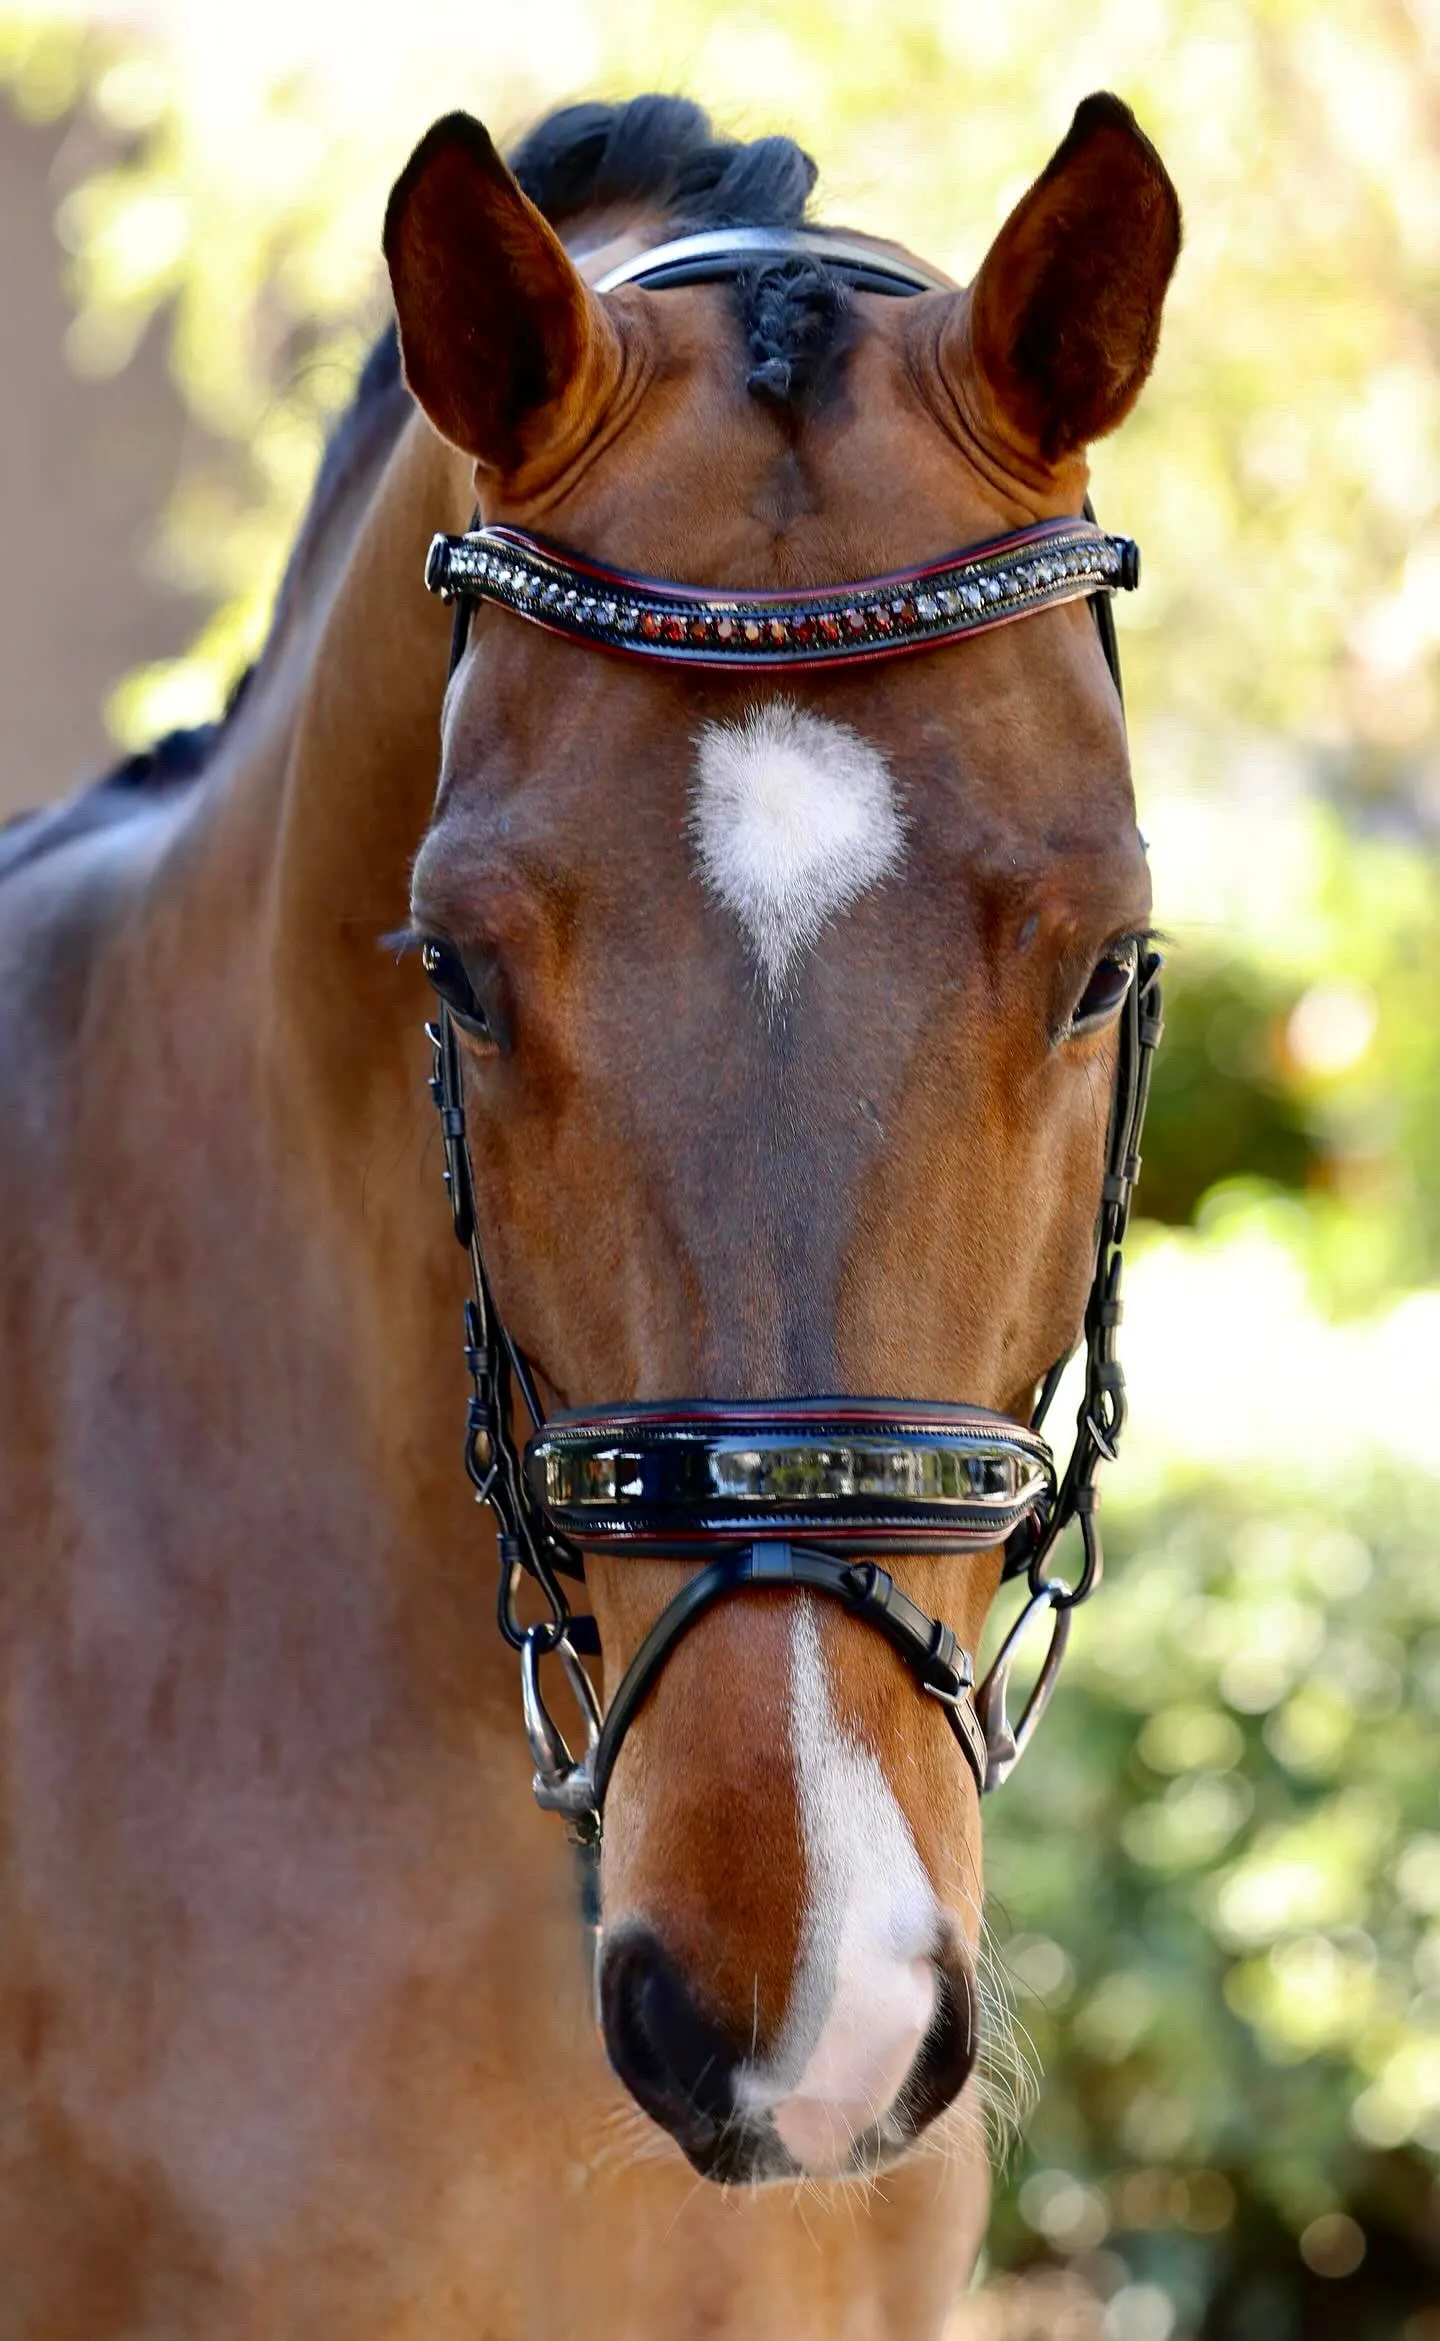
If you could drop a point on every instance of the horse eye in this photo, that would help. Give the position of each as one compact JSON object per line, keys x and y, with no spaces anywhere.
{"x":446,"y":971}
{"x":1110,"y":980}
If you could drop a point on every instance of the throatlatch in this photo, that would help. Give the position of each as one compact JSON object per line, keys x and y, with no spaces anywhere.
{"x":788,"y":1492}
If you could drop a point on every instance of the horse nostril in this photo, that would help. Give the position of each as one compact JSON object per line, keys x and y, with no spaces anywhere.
{"x":674,"y":2059}
{"x":947,"y":2054}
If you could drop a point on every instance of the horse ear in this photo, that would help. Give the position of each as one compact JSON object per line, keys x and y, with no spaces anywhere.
{"x":505,"y":347}
{"x":1062,"y":322}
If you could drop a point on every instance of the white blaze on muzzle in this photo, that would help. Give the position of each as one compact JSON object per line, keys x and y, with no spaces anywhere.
{"x":865,"y":1988}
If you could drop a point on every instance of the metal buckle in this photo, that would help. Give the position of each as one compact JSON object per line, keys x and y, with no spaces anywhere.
{"x":1005,"y":1743}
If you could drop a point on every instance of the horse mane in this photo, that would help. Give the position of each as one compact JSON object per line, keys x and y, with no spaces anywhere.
{"x":658,"y":152}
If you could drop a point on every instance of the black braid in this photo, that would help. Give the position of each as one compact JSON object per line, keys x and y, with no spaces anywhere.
{"x":794,"y":312}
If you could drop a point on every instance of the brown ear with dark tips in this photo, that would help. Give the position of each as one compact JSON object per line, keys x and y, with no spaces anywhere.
{"x":505,"y":347}
{"x":1059,"y":330}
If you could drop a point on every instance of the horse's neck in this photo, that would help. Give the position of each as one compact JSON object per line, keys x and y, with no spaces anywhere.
{"x":312,"y":1225}
{"x":359,"y":778}
{"x":339,"y":1018}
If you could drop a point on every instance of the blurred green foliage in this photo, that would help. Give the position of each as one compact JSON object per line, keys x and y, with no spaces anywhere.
{"x":1217,"y":1879}
{"x":1220,"y":1890}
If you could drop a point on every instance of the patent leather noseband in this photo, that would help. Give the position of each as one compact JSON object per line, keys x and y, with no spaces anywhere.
{"x":787,"y":1493}
{"x":874,"y":1474}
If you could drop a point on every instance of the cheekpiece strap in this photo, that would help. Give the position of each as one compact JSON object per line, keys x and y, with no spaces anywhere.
{"x":924,"y":608}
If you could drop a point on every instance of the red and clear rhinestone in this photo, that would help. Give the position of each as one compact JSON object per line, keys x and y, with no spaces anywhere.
{"x":829,"y":629}
{"x":803,"y":629}
{"x":855,"y":622}
{"x":778,"y":630}
{"x":699,"y":629}
{"x":650,"y":625}
{"x":881,"y":619}
{"x":673,"y":629}
{"x":905,"y":612}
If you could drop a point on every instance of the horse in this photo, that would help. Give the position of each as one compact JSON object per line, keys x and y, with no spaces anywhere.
{"x":780,"y":1014}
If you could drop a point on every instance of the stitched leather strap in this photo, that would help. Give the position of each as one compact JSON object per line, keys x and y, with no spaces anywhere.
{"x":928,"y":1647}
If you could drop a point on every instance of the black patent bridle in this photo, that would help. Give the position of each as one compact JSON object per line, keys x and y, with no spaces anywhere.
{"x":797,"y":1493}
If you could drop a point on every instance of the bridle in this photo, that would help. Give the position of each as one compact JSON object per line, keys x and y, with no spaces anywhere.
{"x":806,"y":1493}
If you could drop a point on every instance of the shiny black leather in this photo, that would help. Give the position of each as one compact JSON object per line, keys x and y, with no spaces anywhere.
{"x":868,"y":1474}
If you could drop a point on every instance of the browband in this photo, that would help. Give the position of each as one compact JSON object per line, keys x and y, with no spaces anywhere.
{"x":923,"y":608}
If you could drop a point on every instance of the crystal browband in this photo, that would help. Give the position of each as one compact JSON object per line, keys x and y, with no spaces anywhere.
{"x":913,"y":609}
{"x":873,"y":1475}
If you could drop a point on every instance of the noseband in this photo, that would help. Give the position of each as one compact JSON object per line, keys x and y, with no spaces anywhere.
{"x":788,"y":1493}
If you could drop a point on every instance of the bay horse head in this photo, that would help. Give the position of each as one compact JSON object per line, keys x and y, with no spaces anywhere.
{"x":784,"y":992}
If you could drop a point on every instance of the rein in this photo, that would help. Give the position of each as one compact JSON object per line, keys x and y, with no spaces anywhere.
{"x":790,"y":1493}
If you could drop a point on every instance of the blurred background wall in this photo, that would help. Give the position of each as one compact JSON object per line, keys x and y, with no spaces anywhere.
{"x":1215,"y":1886}
{"x":87,"y":467}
